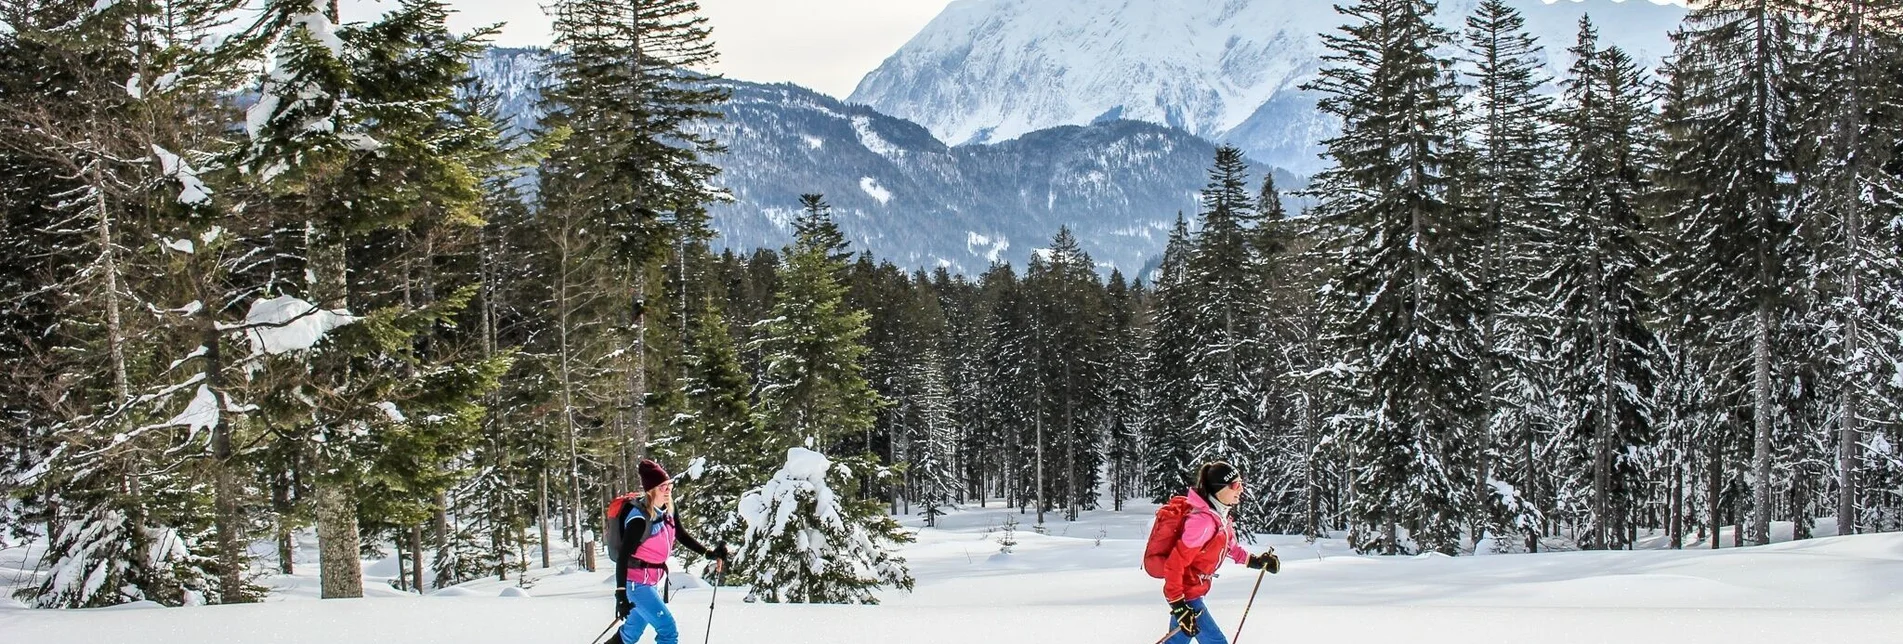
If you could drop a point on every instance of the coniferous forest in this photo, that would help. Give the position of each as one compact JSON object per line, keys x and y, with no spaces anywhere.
{"x":266,"y":277}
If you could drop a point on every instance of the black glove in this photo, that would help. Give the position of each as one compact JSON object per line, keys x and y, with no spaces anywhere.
{"x":622,"y":605}
{"x":720,"y":553}
{"x":1185,"y":617}
{"x":1266,"y":561}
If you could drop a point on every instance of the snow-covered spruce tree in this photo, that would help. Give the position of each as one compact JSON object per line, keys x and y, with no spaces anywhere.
{"x":1067,"y":319}
{"x":965,"y":315}
{"x":1168,"y":451}
{"x":1851,"y":130}
{"x":1736,"y":67}
{"x":927,"y":440}
{"x":807,"y":544}
{"x":881,"y":291}
{"x":1606,"y":354}
{"x":1506,"y":68}
{"x":1706,"y":445}
{"x":1287,"y":275}
{"x":353,"y":116}
{"x":922,"y":432}
{"x":1008,"y":403}
{"x":1289,"y":453}
{"x":812,"y":391}
{"x":627,"y":168}
{"x":1400,"y":301}
{"x":1231,"y":364}
{"x":715,"y":421}
{"x":490,"y":506}
{"x":123,"y":104}
{"x":1127,"y":337}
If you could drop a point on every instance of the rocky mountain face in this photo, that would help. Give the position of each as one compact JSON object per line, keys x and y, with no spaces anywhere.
{"x":906,"y":195}
{"x":1227,"y":70}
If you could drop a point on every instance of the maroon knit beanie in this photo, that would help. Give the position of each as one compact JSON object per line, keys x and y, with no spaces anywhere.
{"x":652,"y":475}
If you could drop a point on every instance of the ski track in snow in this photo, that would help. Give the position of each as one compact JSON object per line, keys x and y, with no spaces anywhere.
{"x":1081,"y":584}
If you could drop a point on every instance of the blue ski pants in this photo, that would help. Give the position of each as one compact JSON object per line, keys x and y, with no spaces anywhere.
{"x":1206,"y":630}
{"x":649,"y":610}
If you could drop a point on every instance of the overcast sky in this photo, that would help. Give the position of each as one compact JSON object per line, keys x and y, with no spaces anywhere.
{"x":826,"y":45}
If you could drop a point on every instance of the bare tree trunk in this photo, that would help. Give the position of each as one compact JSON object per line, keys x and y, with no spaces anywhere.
{"x":339,"y":563}
{"x":1761,"y":419}
{"x":563,"y":330}
{"x":1313,"y":528}
{"x":543,"y":520}
{"x":1714,"y":472}
{"x":416,"y":548}
{"x":281,"y":505}
{"x":444,"y":576}
{"x":338,"y":559}
{"x":229,"y":521}
{"x":1531,"y":492}
{"x":1850,"y":434}
{"x":635,"y":440}
{"x":1070,"y":448}
{"x":1676,"y":523}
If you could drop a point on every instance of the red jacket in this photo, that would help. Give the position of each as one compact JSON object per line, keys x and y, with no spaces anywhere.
{"x":1207,"y":536}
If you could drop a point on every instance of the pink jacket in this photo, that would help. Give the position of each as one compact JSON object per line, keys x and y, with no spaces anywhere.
{"x":1190,"y":568}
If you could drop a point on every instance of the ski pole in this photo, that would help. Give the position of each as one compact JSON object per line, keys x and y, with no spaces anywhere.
{"x":1264,"y":572}
{"x":1171,"y":634}
{"x":719,"y":573}
{"x":604,"y":632}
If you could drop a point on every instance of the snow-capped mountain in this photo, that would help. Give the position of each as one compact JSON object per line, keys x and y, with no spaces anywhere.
{"x":908,"y":197}
{"x":1227,"y":70}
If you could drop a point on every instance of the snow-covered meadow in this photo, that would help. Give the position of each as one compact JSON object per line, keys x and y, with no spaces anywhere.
{"x":1081,"y":584}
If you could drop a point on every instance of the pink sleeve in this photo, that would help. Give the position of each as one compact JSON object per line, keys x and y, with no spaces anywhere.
{"x":1198,"y":530}
{"x":1237,"y":554}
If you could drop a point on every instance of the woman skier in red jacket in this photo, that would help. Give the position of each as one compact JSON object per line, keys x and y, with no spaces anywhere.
{"x":1209,"y":536}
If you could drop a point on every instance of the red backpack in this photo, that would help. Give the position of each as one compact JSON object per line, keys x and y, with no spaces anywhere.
{"x":611,"y":525}
{"x":1165,"y":532}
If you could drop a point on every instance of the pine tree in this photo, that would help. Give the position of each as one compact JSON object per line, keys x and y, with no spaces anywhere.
{"x":1232,"y":378}
{"x":1127,"y":335}
{"x":1066,"y":323}
{"x":1736,"y":65}
{"x":1008,"y":401}
{"x":1506,"y":65}
{"x":1851,"y":134}
{"x":628,"y":177}
{"x":1606,"y":352}
{"x":120,"y":119}
{"x":1290,"y":493}
{"x":1169,"y":453}
{"x":716,"y":422}
{"x":812,"y":389}
{"x":353,"y":116}
{"x":1401,"y":301}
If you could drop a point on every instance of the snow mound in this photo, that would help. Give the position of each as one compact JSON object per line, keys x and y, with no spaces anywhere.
{"x":513,"y":591}
{"x":454,"y":591}
{"x":385,"y":567}
{"x":10,"y":603}
{"x":144,"y":604}
{"x":684,"y":581}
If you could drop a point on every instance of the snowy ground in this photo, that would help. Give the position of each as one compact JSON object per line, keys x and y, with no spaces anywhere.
{"x":1081,"y":584}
